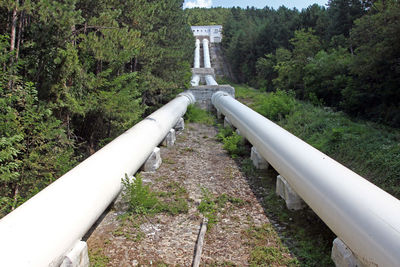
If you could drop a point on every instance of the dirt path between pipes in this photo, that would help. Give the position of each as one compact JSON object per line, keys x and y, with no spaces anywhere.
{"x":198,"y":167}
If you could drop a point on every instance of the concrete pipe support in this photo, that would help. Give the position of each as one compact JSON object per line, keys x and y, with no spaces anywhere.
{"x":364,"y":216}
{"x":42,"y":230}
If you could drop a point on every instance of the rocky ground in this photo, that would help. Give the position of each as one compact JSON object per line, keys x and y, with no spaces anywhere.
{"x":195,"y":169}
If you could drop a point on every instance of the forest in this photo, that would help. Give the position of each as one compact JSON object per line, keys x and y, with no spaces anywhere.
{"x":345,"y":55}
{"x":77,"y":73}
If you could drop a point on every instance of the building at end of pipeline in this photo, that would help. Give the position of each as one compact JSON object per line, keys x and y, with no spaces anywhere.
{"x":212,"y":32}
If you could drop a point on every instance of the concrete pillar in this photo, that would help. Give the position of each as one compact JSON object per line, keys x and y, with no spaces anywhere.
{"x":197,"y":54}
{"x":180,"y":125}
{"x":154,"y":161}
{"x":210,"y":80}
{"x":195,"y":80}
{"x":342,"y":256}
{"x":77,"y":257}
{"x":258,"y":161}
{"x":219,"y":114}
{"x":292,"y":199}
{"x":170,"y":139}
{"x":227,"y":123}
{"x":206,"y":53}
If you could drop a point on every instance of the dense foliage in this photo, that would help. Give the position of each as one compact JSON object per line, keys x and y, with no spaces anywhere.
{"x":74,"y":75}
{"x":370,"y":149}
{"x":345,"y":56}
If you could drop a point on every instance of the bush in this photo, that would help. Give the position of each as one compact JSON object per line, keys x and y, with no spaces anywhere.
{"x":275,"y":106}
{"x":139,"y":197}
{"x":196,"y":114}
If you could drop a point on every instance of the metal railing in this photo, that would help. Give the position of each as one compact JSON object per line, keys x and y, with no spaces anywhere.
{"x":364,"y":216}
{"x":43,"y":229}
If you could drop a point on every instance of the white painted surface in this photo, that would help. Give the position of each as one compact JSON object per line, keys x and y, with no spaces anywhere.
{"x":364,"y":216}
{"x":197,"y":54}
{"x":210,"y":80}
{"x":214,"y":32}
{"x":206,"y":54}
{"x":43,"y":229}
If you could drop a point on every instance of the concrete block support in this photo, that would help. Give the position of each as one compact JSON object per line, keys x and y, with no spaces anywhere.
{"x":219,"y":114}
{"x":227,"y":123}
{"x":77,"y":257}
{"x":292,"y":199}
{"x":180,"y":125}
{"x":154,"y":161}
{"x":170,"y":139}
{"x":342,"y":256}
{"x":258,"y":161}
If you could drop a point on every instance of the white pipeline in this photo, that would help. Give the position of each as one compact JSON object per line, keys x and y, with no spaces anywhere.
{"x":197,"y":54}
{"x":365,"y":217}
{"x":206,"y":54}
{"x":210,"y":80}
{"x":44,"y":228}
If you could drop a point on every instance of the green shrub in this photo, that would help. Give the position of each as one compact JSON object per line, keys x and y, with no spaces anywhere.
{"x":196,"y":114}
{"x":139,"y":197}
{"x":275,"y":106}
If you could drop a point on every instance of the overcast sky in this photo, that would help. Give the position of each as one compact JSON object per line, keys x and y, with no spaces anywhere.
{"x":299,"y":4}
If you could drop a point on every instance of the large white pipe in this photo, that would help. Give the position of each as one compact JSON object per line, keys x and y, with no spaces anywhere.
{"x":43,"y":229}
{"x":195,"y":80}
{"x":197,"y":54}
{"x":365,"y":217}
{"x":206,"y":53}
{"x":210,"y":80}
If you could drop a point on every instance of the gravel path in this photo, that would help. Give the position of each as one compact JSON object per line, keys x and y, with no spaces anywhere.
{"x":199,"y":164}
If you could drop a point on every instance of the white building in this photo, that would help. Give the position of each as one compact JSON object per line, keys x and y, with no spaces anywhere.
{"x":214,"y":32}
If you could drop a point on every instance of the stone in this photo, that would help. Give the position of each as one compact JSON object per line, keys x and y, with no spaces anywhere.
{"x":227,"y":123}
{"x":180,"y":125}
{"x":154,"y":161}
{"x":342,"y":256}
{"x":77,"y":257}
{"x":219,"y":114}
{"x":258,"y":161}
{"x":170,"y":139}
{"x":285,"y":191}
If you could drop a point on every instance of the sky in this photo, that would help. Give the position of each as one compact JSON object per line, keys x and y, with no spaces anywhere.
{"x":299,"y":4}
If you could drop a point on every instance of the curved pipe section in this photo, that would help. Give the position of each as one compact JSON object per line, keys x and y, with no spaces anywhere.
{"x":43,"y":229}
{"x":364,"y":216}
{"x":197,"y":54}
{"x":206,"y":53}
{"x":210,"y":80}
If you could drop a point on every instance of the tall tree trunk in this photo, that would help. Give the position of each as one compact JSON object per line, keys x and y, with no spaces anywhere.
{"x":19,"y":37}
{"x":14,"y":26}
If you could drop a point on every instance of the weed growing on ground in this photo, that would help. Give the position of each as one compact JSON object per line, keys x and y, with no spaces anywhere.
{"x":139,"y":197}
{"x":196,"y":114}
{"x":233,"y":143}
{"x":143,"y":201}
{"x":211,"y":205}
{"x":97,"y":258}
{"x":267,"y":248}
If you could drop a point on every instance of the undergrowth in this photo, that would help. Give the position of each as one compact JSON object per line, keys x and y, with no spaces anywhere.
{"x":233,"y":143}
{"x":143,"y":201}
{"x":369,"y":149}
{"x":196,"y":114}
